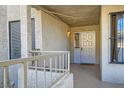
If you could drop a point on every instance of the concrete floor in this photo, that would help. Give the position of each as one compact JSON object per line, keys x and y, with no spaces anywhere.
{"x":88,"y":76}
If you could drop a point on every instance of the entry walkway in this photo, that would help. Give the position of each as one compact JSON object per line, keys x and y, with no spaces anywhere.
{"x":88,"y":76}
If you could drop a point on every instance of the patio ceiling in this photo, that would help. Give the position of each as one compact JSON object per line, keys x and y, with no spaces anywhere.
{"x":76,"y":15}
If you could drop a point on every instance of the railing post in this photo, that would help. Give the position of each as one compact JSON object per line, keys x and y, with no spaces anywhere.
{"x":36,"y":83}
{"x":51,"y":69}
{"x":63,"y":62}
{"x":23,"y":78}
{"x":6,"y":77}
{"x":56,"y":65}
{"x":69,"y":61}
{"x":44,"y":73}
{"x":59,"y":64}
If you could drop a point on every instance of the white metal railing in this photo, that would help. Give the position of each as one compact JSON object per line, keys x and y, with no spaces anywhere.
{"x":42,"y":69}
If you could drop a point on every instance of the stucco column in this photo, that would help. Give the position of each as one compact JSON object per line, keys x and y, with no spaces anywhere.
{"x":26,"y":34}
{"x":38,"y":28}
{"x":4,"y":47}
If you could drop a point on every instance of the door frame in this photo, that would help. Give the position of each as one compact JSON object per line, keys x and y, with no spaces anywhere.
{"x":74,"y":44}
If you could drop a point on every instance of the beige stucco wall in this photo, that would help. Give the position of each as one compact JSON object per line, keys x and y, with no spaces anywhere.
{"x":51,"y":33}
{"x":87,"y":28}
{"x":38,"y":27}
{"x":17,"y":12}
{"x":3,"y":38}
{"x":13,"y":12}
{"x":54,"y":34}
{"x":110,"y":72}
{"x":3,"y":34}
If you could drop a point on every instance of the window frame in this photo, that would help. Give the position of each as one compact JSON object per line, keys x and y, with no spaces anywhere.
{"x":77,"y":40}
{"x":9,"y":31}
{"x":111,"y":31}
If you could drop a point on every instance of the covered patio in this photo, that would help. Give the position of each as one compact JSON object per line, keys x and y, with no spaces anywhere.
{"x":64,"y":46}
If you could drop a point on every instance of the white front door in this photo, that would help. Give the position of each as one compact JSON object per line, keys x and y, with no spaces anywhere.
{"x":84,"y":50}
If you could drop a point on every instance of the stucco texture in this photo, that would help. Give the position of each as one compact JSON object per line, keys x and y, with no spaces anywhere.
{"x":110,"y":72}
{"x":54,"y":34}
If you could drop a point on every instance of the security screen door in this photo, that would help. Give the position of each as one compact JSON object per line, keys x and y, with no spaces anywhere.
{"x":86,"y":50}
{"x":15,"y":39}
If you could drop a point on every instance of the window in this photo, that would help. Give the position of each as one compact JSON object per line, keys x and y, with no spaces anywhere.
{"x":33,"y":33}
{"x":117,"y":37}
{"x":77,"y":44}
{"x":15,"y":39}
